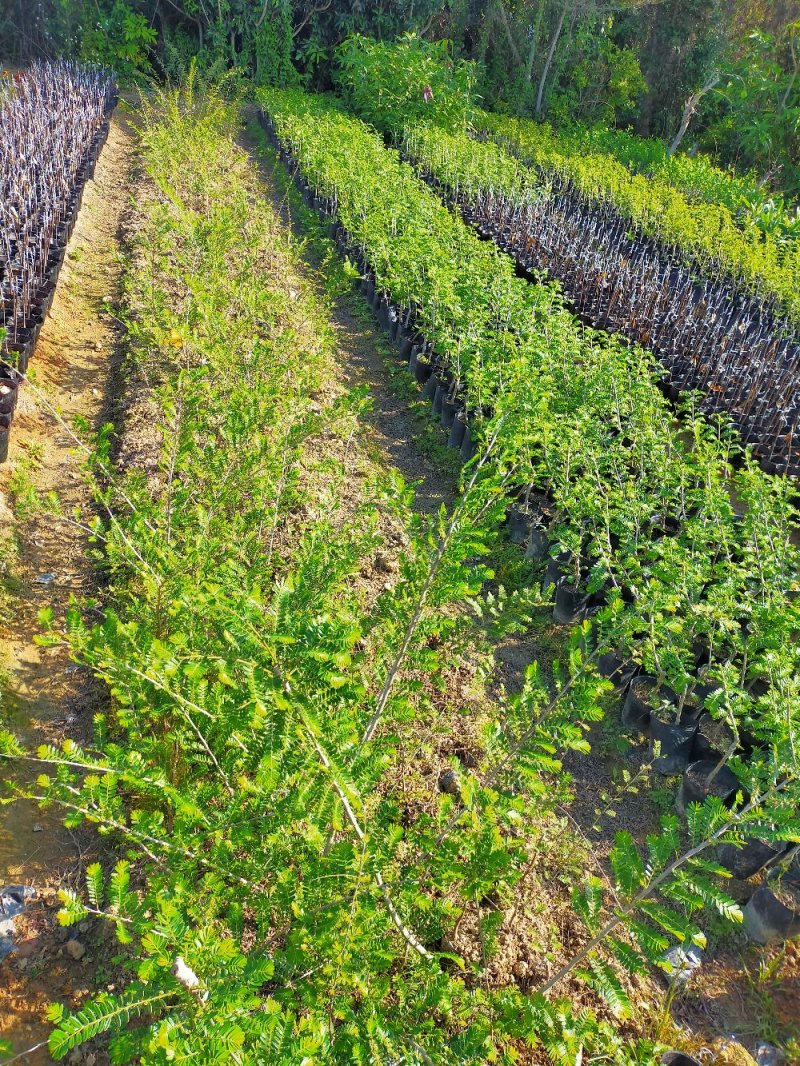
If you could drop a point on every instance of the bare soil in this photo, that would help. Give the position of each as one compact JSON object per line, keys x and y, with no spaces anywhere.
{"x":45,"y":697}
{"x":363,"y":356}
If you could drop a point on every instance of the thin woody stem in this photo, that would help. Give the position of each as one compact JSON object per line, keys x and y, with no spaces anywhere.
{"x":350,"y":814}
{"x":416,"y":618}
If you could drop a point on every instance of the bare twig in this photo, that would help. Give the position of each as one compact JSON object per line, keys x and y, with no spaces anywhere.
{"x":689,"y":109}
{"x":317,"y":9}
{"x":501,"y":13}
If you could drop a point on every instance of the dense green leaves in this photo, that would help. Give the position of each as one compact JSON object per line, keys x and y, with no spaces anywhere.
{"x":279,"y":897}
{"x":413,"y":78}
{"x":584,"y":410}
{"x":613,"y":468}
{"x":696,"y":177}
{"x":282,"y":897}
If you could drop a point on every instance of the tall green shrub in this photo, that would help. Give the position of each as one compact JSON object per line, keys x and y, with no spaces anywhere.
{"x":120,"y":38}
{"x":410,"y":80}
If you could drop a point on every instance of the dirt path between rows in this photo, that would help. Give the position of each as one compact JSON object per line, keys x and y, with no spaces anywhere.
{"x":363,"y":352}
{"x":45,"y":562}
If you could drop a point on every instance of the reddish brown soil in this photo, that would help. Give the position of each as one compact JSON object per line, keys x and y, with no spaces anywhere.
{"x":45,"y":697}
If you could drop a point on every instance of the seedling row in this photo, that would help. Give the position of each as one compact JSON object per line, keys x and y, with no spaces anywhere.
{"x":704,"y":235}
{"x":679,"y":565}
{"x":54,"y":122}
{"x":732,"y":346}
{"x":695,"y":178}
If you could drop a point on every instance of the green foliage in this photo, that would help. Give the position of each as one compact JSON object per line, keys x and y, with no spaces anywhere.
{"x":602,"y":83}
{"x":606,"y":493}
{"x":276,"y":897}
{"x":606,"y":490}
{"x":696,"y":177}
{"x":679,"y":43}
{"x":707,"y":233}
{"x":280,"y":897}
{"x":626,"y":61}
{"x":755,"y":119}
{"x":103,"y":1014}
{"x":178,"y":54}
{"x":408,"y":81}
{"x":122,"y":39}
{"x":273,"y":48}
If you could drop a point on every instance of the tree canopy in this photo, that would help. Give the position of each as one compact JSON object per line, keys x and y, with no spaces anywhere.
{"x":721,"y":72}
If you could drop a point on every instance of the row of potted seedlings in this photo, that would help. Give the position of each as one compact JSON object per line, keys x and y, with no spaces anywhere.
{"x":53,"y":125}
{"x":694,"y":177}
{"x":704,"y":660}
{"x":704,"y":235}
{"x":688,"y":593}
{"x":685,"y":738}
{"x":734,"y":347}
{"x":698,"y":729}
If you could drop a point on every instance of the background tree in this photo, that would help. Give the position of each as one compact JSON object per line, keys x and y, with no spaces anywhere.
{"x":721,"y":73}
{"x":679,"y":44}
{"x":755,"y":121}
